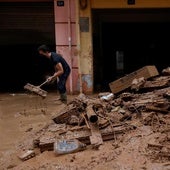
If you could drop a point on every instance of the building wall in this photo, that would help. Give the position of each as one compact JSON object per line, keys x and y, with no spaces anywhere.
{"x":86,"y":52}
{"x":80,"y":52}
{"x":86,"y":49}
{"x":123,"y":4}
{"x":75,"y":44}
{"x":66,"y":41}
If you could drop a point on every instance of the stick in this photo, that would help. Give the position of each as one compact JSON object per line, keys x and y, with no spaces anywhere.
{"x":85,"y":120}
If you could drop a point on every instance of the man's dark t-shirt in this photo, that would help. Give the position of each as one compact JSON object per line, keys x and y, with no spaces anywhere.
{"x":57,"y":58}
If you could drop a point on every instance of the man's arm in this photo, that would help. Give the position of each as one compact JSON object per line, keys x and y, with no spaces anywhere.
{"x":59,"y":69}
{"x":59,"y":72}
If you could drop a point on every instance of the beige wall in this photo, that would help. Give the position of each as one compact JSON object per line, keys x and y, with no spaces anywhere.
{"x":85,"y":51}
{"x":86,"y":44}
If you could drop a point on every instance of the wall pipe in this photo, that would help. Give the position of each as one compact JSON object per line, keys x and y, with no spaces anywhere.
{"x":70,"y":45}
{"x":78,"y":44}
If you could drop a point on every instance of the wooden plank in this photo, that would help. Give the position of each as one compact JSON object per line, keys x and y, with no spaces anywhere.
{"x":96,"y":137}
{"x":65,"y":114}
{"x":125,"y":82}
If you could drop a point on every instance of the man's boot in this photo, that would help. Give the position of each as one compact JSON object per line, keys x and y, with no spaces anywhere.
{"x":63,"y":97}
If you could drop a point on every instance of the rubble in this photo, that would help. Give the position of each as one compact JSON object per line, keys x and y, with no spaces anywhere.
{"x":92,"y":121}
{"x":27,"y":155}
{"x":166,"y":71}
{"x":138,"y":83}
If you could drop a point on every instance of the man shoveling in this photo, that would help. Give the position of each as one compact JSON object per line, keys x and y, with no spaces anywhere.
{"x":62,"y":70}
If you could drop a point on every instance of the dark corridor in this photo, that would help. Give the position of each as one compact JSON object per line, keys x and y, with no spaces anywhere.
{"x":126,"y":46}
{"x":24,"y":26}
{"x":21,"y":64}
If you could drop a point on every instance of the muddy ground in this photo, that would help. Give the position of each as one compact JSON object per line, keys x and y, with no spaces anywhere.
{"x":21,"y":115}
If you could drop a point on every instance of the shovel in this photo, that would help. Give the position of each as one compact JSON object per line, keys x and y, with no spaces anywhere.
{"x":37,"y":89}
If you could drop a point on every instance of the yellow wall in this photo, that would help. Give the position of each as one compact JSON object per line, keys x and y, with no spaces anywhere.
{"x":86,"y":44}
{"x":123,"y":4}
{"x":85,"y":50}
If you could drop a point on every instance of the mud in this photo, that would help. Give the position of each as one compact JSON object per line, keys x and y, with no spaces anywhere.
{"x":21,"y":115}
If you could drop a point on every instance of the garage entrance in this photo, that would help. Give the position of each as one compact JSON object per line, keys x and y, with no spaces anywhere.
{"x":125,"y":40}
{"x":24,"y":26}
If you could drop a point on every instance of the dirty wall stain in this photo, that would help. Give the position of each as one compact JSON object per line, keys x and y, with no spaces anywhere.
{"x":87,"y":83}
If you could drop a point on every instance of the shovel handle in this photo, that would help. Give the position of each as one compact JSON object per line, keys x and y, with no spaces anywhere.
{"x":46,"y":81}
{"x":43,"y":83}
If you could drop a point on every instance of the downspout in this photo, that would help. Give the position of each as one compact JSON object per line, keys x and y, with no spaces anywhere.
{"x":78,"y":44}
{"x":70,"y":45}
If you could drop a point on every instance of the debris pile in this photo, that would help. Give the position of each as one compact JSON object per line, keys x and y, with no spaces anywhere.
{"x":91,"y":121}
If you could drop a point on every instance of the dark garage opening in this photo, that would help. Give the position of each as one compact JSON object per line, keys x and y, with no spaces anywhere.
{"x":126,"y":40}
{"x":24,"y":26}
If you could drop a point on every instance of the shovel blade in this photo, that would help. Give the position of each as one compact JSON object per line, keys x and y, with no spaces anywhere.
{"x":35,"y":89}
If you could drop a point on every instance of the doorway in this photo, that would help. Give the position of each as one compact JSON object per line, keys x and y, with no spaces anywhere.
{"x":128,"y":40}
{"x":24,"y":26}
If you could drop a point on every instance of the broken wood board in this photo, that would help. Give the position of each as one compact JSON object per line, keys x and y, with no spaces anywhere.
{"x":156,"y":98}
{"x":125,"y":82}
{"x":64,"y":115}
{"x":160,"y":82}
{"x":96,"y":137}
{"x":156,"y":109}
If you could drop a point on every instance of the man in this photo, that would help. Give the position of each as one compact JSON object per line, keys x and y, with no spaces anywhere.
{"x":62,"y":70}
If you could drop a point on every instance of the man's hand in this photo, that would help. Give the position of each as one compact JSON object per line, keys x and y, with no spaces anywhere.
{"x":50,"y":78}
